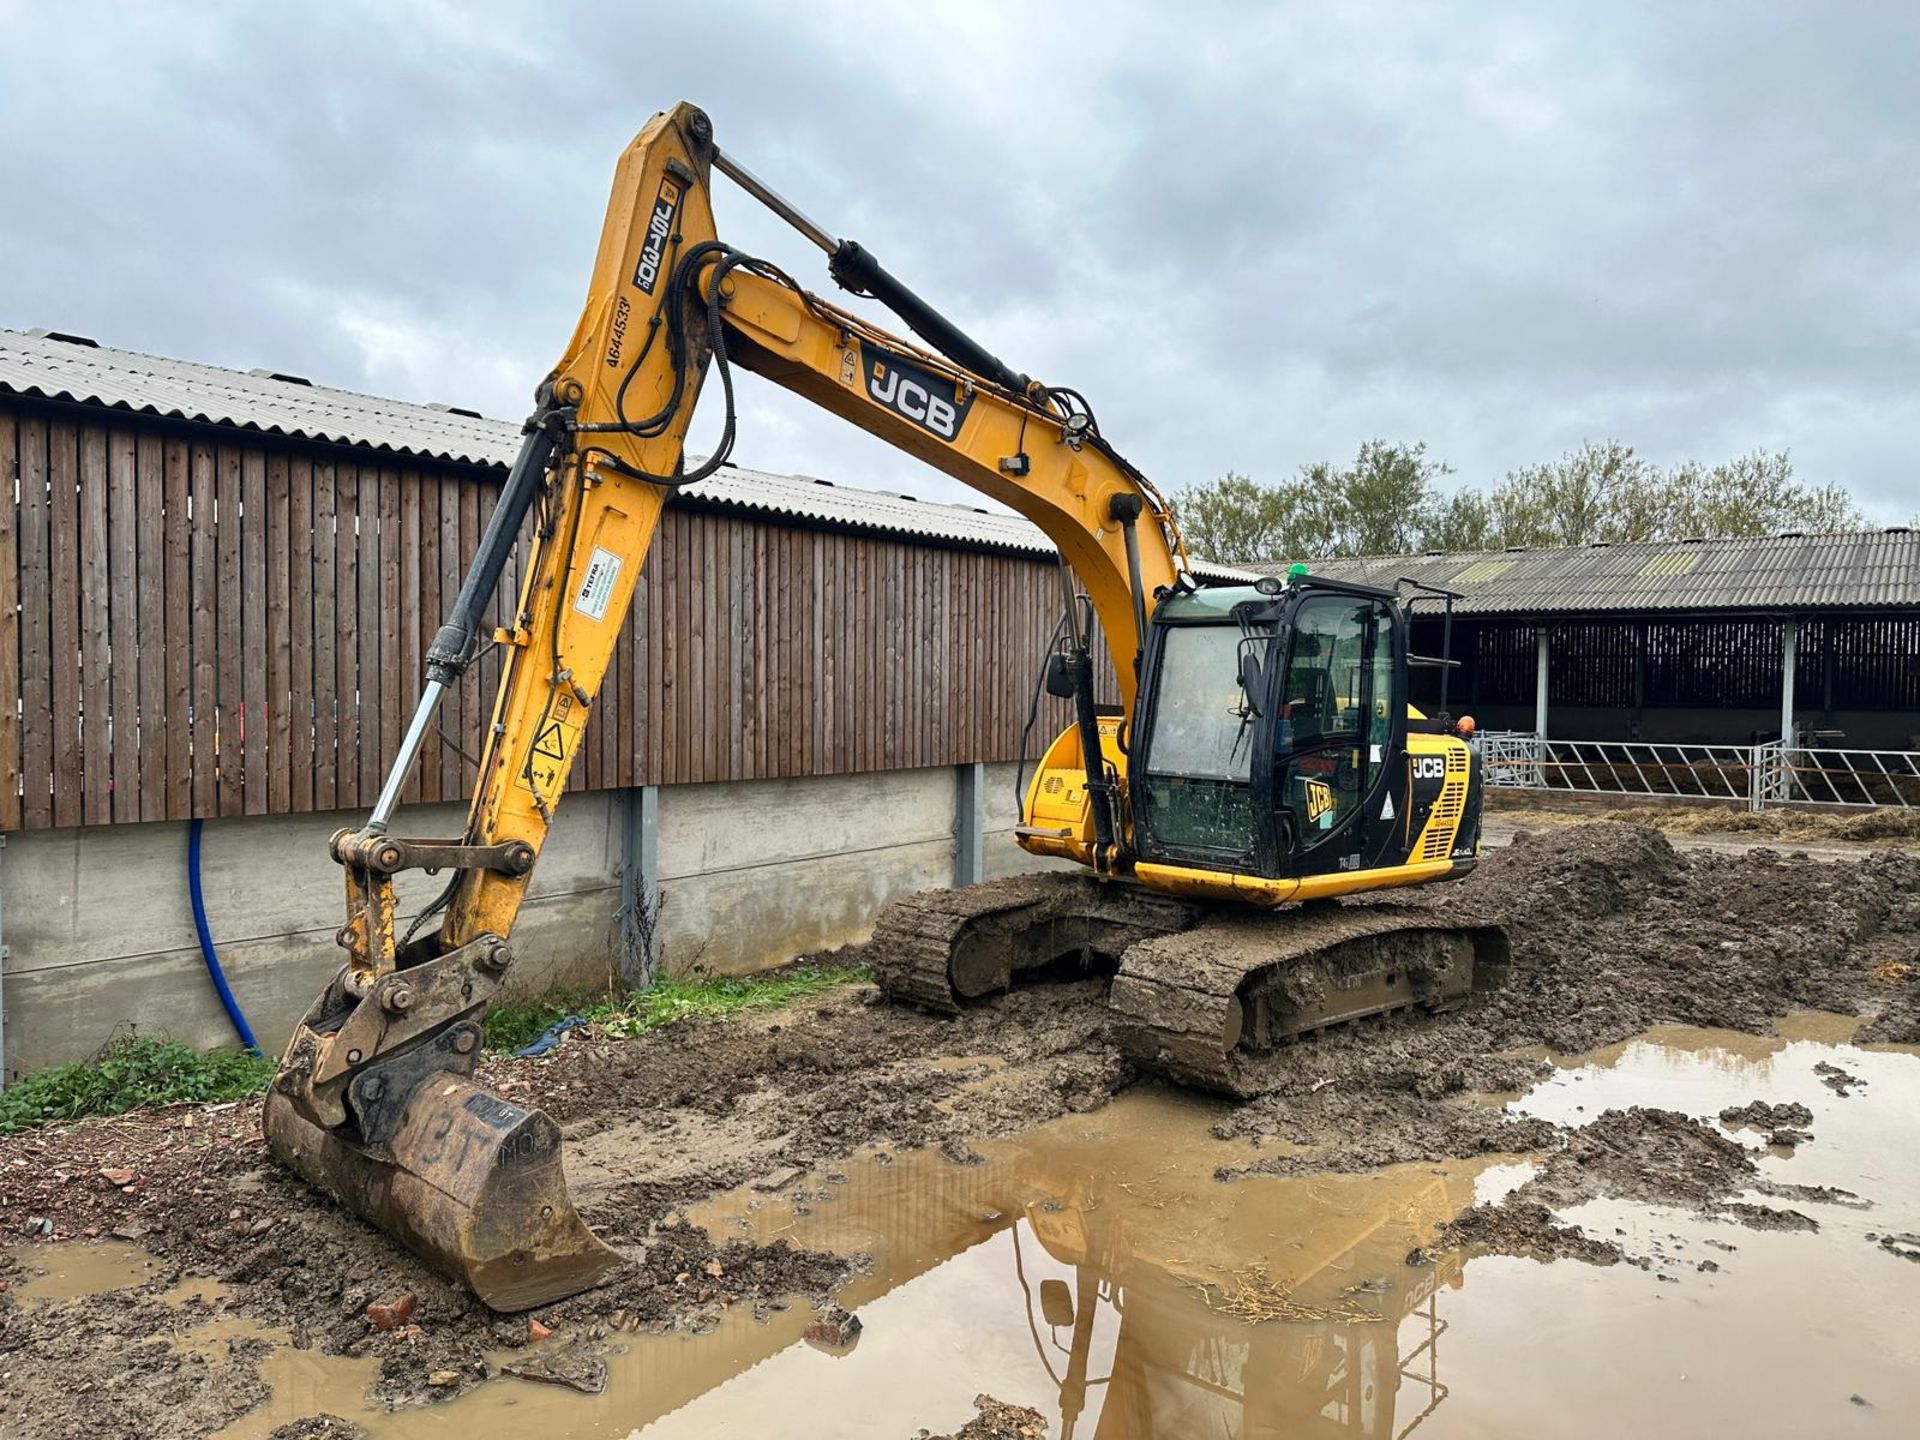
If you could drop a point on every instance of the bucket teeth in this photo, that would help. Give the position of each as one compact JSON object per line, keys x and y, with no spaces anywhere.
{"x":471,"y":1183}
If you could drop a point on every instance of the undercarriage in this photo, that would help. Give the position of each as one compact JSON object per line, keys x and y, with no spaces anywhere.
{"x":1199,"y":994}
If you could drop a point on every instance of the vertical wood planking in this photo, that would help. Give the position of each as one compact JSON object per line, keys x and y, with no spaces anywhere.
{"x":663,"y":599}
{"x":9,"y":629}
{"x":96,"y":675}
{"x":410,"y":676}
{"x":682,"y":653}
{"x":277,"y":721}
{"x":121,"y":587}
{"x":203,"y":564}
{"x":397,"y":694}
{"x":429,"y":766}
{"x":232,"y":630}
{"x":150,"y":624}
{"x":451,"y":717}
{"x":37,"y":766}
{"x":302,"y":625}
{"x":253,"y":707}
{"x":475,"y":692}
{"x":701,"y":582}
{"x":371,"y":660}
{"x":738,"y":683}
{"x":326,"y":634}
{"x":228,"y":643}
{"x":346,"y":653}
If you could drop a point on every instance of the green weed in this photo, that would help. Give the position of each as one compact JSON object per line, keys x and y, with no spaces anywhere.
{"x":720,"y":998}
{"x":509,"y":1027}
{"x":131,"y":1072}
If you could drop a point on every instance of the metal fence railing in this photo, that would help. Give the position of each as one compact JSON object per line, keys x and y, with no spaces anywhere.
{"x":1862,"y":778}
{"x":1760,"y":775}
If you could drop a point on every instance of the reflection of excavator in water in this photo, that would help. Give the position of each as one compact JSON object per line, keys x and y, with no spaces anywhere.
{"x":1263,"y":751}
{"x":1134,"y":1343}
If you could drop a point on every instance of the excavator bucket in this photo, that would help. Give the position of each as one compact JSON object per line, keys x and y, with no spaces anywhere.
{"x":469,"y":1182}
{"x":394,"y":1126}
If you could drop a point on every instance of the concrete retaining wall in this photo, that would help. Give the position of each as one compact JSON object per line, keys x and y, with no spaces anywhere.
{"x":101,"y":938}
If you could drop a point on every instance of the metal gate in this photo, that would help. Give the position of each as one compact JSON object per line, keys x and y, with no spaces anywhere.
{"x":1771,"y":774}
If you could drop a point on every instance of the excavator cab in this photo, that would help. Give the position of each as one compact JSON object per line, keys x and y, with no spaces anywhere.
{"x":1272,"y":728}
{"x":1275,"y":756}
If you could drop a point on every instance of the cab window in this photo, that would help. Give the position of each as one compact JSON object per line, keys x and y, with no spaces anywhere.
{"x":1326,"y":720}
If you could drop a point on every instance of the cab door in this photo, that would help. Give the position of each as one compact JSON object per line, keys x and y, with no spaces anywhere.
{"x":1336,"y":731}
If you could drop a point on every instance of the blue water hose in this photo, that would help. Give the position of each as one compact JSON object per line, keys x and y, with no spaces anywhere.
{"x":206,"y":942}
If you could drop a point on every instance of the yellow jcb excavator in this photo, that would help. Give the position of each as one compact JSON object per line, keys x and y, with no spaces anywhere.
{"x":1263,"y":752}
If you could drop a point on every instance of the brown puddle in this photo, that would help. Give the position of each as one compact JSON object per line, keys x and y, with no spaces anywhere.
{"x":1094,"y":1269}
{"x":71,"y":1272}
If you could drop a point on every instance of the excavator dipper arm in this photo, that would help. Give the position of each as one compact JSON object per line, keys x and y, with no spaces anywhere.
{"x":374,"y":1100}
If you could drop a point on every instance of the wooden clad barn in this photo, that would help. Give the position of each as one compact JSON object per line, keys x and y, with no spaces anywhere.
{"x":216,"y":592}
{"x":224,"y":583}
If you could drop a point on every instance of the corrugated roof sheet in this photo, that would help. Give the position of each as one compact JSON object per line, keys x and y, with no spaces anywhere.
{"x":181,"y":389}
{"x":65,"y":369}
{"x":1868,"y":568}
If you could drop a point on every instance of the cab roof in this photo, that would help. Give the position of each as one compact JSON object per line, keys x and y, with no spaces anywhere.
{"x":1216,"y":602}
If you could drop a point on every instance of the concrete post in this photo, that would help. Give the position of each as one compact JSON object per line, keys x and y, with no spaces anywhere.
{"x":639,"y":911}
{"x":1789,"y":655}
{"x":1541,"y":648}
{"x":969,"y":824}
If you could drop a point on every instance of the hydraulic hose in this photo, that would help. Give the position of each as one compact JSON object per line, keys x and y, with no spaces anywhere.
{"x":218,"y":975}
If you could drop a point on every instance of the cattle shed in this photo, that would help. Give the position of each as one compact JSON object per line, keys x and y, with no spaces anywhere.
{"x":216,"y":591}
{"x":1732,"y":641}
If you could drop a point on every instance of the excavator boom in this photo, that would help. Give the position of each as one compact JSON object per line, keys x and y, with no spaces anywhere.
{"x":375,"y":1099}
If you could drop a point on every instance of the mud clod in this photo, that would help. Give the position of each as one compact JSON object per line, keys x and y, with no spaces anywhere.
{"x":1843,"y":1083}
{"x":1519,"y":1227}
{"x":1759,"y":1115}
{"x":995,"y":1420}
{"x":834,"y":1329}
{"x":1906,"y":1246}
{"x":320,"y":1427}
{"x":1765,"y":1217}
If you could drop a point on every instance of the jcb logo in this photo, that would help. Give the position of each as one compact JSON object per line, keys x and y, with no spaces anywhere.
{"x":1319,"y":800}
{"x":646,"y":274}
{"x":1429,"y":767}
{"x":929,"y":399}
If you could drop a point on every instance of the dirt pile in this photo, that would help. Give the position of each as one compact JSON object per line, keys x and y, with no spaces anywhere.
{"x":995,"y":1421}
{"x":1653,"y":1157}
{"x":1613,"y":931}
{"x":1877,"y":826}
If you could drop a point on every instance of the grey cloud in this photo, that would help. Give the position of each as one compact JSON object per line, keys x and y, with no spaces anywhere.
{"x":1254,"y":235}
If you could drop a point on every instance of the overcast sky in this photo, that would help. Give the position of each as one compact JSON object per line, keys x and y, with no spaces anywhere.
{"x":1253,"y":235}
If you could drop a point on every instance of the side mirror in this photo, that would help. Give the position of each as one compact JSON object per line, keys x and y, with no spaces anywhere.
{"x":1056,"y":1303}
{"x":1253,"y":673}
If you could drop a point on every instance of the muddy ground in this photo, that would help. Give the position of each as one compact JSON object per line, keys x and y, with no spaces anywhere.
{"x":1613,"y":931}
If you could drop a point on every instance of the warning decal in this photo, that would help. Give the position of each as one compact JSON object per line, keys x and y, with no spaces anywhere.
{"x":552,"y":742}
{"x":1386,"y":810}
{"x":596,"y":588}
